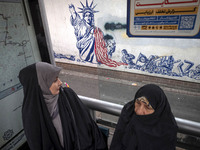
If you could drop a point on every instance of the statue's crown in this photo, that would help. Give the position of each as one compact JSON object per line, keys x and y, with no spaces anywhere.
{"x":87,"y":8}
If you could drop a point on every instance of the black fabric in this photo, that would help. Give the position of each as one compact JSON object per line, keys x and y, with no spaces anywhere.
{"x":79,"y":130}
{"x":156,"y":131}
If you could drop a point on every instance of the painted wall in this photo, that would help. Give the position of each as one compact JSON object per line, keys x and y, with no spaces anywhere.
{"x":104,"y":43}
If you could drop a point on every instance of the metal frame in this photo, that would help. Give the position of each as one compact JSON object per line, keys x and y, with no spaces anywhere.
{"x":185,"y":126}
{"x":46,"y":30}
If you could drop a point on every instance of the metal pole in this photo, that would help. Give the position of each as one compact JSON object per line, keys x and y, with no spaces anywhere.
{"x":188,"y":126}
{"x":185,"y":126}
{"x":103,"y":106}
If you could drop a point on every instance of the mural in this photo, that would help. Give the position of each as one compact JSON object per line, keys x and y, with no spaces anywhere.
{"x":90,"y":40}
{"x":163,"y":65}
{"x":96,"y":35}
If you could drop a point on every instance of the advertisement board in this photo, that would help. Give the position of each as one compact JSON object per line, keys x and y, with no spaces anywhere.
{"x":163,"y":18}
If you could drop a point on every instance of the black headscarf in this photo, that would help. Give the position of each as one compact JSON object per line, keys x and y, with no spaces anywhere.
{"x":156,"y":131}
{"x":80,"y":132}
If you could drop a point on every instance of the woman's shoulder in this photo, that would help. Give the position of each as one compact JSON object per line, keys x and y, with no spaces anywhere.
{"x":68,"y":90}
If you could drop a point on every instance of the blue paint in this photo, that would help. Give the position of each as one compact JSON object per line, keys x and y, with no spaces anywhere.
{"x":92,"y":46}
{"x":61,"y":56}
{"x":163,"y":65}
{"x":110,"y":45}
{"x":128,"y":59}
{"x":188,"y":65}
{"x":84,"y":29}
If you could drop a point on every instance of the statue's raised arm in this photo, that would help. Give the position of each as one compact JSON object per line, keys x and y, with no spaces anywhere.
{"x":72,"y":11}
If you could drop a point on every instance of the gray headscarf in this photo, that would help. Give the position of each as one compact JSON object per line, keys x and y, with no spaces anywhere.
{"x":47,"y":74}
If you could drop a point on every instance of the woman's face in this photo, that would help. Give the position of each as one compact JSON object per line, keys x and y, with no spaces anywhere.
{"x":142,"y":107}
{"x":55,"y":87}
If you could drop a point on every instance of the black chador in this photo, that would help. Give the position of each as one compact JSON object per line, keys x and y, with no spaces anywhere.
{"x":156,"y":131}
{"x":74,"y":130}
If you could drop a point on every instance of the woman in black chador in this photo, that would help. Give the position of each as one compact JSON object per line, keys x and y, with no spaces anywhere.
{"x":146,"y":123}
{"x":54,"y":118}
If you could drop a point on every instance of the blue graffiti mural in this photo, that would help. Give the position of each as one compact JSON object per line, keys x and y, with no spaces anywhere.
{"x":90,"y":39}
{"x":195,"y":73}
{"x":61,"y":56}
{"x":110,"y":44}
{"x":128,"y":59}
{"x":95,"y":47}
{"x":163,"y":65}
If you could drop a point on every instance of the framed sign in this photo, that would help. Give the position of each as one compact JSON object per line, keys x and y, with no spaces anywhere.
{"x":163,"y":18}
{"x":18,"y":49}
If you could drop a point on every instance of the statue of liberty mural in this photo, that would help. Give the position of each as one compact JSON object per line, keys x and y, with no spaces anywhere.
{"x":90,"y":42}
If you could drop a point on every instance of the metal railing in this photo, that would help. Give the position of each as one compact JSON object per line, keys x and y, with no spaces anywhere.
{"x":185,"y":126}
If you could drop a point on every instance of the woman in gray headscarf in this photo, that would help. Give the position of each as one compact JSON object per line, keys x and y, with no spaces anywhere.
{"x":50,"y":84}
{"x":54,"y":118}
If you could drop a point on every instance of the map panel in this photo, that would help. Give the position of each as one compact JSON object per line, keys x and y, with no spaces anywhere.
{"x":18,"y":49}
{"x":15,"y":47}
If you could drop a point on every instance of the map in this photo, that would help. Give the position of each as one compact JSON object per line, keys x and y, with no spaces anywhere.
{"x":15,"y":46}
{"x":18,"y":49}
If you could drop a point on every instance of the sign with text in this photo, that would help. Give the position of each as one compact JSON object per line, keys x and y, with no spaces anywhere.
{"x":163,"y":18}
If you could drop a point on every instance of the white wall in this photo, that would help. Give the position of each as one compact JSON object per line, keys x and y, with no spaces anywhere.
{"x":184,"y":52}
